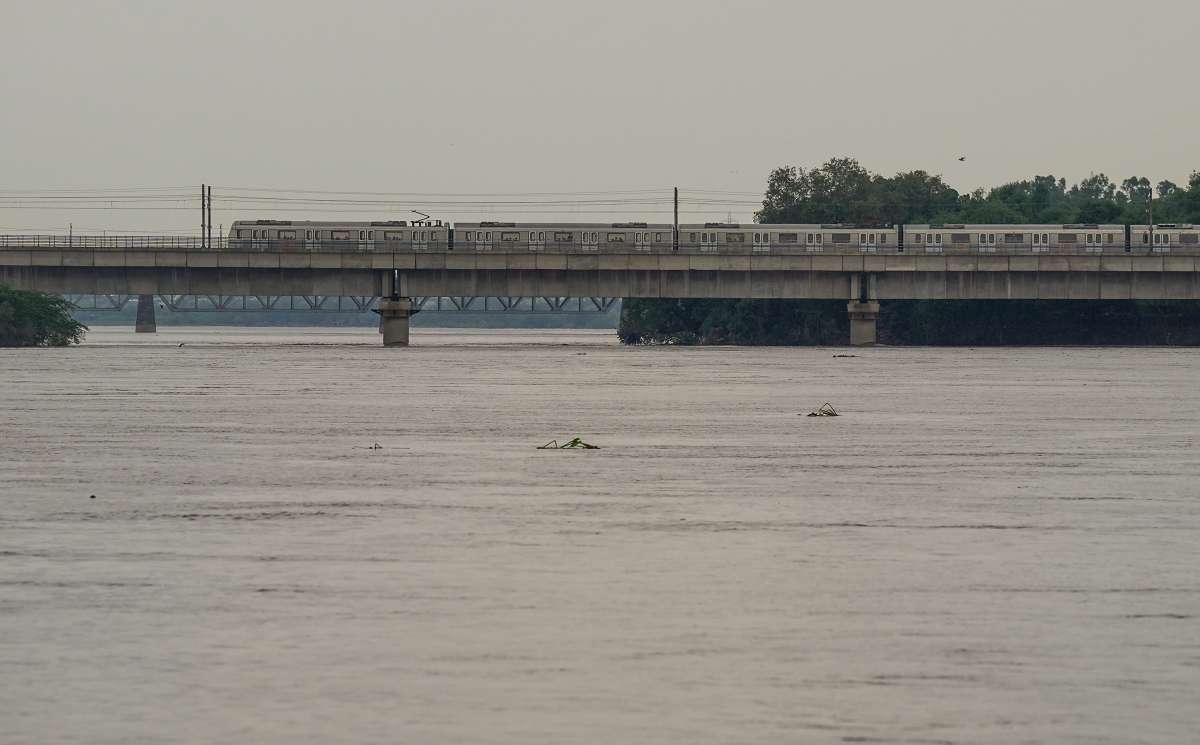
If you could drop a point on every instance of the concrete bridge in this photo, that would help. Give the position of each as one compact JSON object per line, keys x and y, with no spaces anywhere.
{"x":145,"y":265}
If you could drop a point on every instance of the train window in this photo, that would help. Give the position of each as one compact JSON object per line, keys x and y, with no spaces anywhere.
{"x":704,"y":237}
{"x":938,"y":238}
{"x":731,"y":238}
{"x":692,"y":239}
{"x":992,"y":238}
{"x":1037,"y":239}
{"x":871,"y":239}
{"x":658,"y":237}
{"x":1109,"y":238}
{"x":789,"y":237}
{"x":541,"y":235}
{"x":1045,"y":239}
{"x":862,"y":239}
{"x":758,"y":237}
{"x":820,"y":238}
{"x":470,"y":235}
{"x":487,"y":236}
{"x":983,"y":239}
{"x":882,"y":239}
{"x":563,"y":237}
{"x":308,"y":235}
{"x":1145,"y":239}
{"x":616,"y":237}
{"x":809,"y":241}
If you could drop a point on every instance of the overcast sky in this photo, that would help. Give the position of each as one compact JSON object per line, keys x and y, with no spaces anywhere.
{"x":559,"y":96}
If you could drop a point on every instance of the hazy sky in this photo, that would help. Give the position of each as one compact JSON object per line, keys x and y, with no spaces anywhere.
{"x":559,"y":96}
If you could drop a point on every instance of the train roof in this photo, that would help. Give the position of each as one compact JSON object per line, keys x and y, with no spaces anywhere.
{"x":1002,"y":227}
{"x":339,"y":223}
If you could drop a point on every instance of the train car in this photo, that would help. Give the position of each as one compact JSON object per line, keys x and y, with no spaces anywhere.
{"x":339,"y":236}
{"x":1007,"y":239}
{"x":543,"y":236}
{"x":1165,"y":238}
{"x":716,"y":237}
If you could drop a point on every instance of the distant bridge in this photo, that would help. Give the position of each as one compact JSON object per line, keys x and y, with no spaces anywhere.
{"x":346,"y":304}
{"x":397,"y":279}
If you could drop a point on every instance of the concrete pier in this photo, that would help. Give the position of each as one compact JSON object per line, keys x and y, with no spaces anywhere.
{"x":393,"y":320}
{"x":863,"y":317}
{"x":145,"y":323}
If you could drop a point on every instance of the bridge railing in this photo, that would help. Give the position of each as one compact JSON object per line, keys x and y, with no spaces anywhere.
{"x":196,"y":243}
{"x":118,"y":242}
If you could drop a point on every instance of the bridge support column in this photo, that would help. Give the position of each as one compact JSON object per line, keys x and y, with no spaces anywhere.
{"x":145,"y":315}
{"x":393,"y":320}
{"x":863,"y":316}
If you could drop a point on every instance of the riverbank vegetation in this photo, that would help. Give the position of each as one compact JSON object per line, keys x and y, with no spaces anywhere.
{"x":842,"y":191}
{"x":35,"y":319}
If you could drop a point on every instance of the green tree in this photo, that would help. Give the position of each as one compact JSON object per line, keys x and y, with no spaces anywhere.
{"x":35,"y":319}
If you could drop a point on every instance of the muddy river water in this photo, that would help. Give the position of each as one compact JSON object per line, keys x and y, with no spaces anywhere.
{"x":988,"y":546}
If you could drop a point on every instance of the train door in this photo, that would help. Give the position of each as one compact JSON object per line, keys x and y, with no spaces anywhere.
{"x":311,"y":240}
{"x":483,"y":240}
{"x":261,"y":242}
{"x":537,"y":240}
{"x":761,"y":242}
{"x":641,"y":241}
{"x":591,"y":240}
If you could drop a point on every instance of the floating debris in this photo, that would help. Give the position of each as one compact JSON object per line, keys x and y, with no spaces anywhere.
{"x":825,"y":410}
{"x":844,"y":355}
{"x":569,"y":445}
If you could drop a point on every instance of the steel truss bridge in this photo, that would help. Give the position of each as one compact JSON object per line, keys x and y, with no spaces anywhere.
{"x":348,"y":304}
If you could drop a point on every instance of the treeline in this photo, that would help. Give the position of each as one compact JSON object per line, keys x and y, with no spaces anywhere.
{"x":35,"y":319}
{"x":842,"y":191}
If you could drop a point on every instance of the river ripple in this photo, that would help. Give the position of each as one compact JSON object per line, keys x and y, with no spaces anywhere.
{"x":989,"y":546}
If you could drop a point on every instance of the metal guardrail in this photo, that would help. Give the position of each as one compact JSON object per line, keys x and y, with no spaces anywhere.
{"x":196,"y":243}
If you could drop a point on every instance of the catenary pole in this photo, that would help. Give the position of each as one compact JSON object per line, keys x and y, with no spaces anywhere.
{"x":675,"y":228}
{"x":203,"y":218}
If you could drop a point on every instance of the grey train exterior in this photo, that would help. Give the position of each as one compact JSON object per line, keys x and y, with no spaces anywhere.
{"x":392,"y":235}
{"x":716,"y":238}
{"x":549,"y":236}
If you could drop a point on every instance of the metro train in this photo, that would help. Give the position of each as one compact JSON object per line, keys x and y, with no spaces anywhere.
{"x":722,"y":238}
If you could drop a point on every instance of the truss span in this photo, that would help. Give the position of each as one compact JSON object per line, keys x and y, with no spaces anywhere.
{"x":347,"y":304}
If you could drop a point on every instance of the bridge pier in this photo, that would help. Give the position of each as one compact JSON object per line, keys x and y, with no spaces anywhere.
{"x":394,"y":313}
{"x":145,"y":323}
{"x":863,"y":318}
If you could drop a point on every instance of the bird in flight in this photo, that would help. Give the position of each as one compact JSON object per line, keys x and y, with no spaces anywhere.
{"x":962,"y":159}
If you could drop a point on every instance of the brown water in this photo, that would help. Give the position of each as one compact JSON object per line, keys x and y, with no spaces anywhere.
{"x":989,"y":546}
